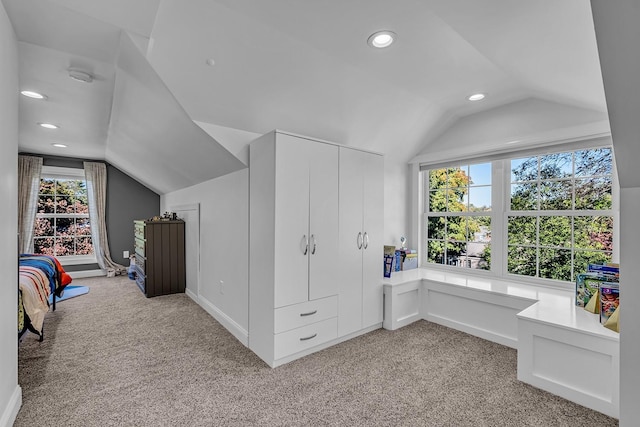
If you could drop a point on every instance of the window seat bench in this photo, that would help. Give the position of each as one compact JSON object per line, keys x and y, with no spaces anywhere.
{"x":562,"y":348}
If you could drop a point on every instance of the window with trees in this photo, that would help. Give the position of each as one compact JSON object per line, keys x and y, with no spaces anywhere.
{"x":62,"y":226}
{"x":554,"y":216}
{"x":560,"y":214}
{"x":458,"y":224}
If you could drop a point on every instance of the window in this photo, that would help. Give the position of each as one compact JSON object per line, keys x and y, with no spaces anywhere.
{"x":560,"y":215}
{"x":62,"y":227}
{"x":554,"y":216}
{"x":458,"y":224}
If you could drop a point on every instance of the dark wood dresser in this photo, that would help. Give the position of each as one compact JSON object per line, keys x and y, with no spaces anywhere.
{"x":160,"y":259}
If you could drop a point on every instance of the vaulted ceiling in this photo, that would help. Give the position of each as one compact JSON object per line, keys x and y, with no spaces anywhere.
{"x":298,"y":65}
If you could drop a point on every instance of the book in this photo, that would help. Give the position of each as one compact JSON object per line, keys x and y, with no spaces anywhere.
{"x":587,"y":285}
{"x":609,"y":300}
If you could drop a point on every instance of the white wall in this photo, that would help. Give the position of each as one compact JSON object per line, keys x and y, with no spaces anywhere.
{"x":617,"y":33}
{"x":224,"y":239}
{"x":10,"y":392}
{"x":630,"y":313}
{"x":224,"y":228}
{"x":396,"y":196}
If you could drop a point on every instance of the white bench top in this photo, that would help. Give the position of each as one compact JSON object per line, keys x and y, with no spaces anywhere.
{"x":554,"y":306}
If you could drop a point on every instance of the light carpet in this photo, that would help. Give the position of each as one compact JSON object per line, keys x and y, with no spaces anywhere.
{"x":116,"y":358}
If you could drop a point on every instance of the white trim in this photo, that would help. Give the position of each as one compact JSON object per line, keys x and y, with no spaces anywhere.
{"x":11,"y":410}
{"x":227,"y":322}
{"x":185,"y":208}
{"x":86,"y":273}
{"x":61,"y":172}
{"x":77,"y":259}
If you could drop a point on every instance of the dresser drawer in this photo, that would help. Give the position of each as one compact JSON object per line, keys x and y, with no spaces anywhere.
{"x":140,"y":246}
{"x":297,"y":315}
{"x":138,"y":229}
{"x":299,"y":339}
{"x":140,"y":263}
{"x":141,"y":281}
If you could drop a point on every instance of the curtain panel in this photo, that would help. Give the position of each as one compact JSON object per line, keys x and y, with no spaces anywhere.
{"x":96,"y":177}
{"x":29,"y":170}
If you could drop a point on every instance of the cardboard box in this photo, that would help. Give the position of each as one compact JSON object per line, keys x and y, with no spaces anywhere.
{"x":410,"y":262}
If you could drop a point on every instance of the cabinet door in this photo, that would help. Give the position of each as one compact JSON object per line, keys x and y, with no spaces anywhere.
{"x":350,"y":258}
{"x":373,"y":249}
{"x":323,"y":220}
{"x":291,"y":268}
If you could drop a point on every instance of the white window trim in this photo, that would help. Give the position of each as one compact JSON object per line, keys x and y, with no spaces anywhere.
{"x":68,"y":173}
{"x":500,"y":196}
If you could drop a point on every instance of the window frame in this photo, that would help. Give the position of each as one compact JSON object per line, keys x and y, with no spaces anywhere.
{"x":77,"y":174}
{"x":463,"y":214}
{"x":501,"y":210}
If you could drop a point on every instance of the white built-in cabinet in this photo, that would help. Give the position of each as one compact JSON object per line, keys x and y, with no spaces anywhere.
{"x":295,"y":247}
{"x":361,"y":223}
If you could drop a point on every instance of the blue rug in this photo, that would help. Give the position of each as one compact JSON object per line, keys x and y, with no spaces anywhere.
{"x":70,"y":291}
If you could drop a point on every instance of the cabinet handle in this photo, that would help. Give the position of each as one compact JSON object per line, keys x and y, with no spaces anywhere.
{"x":359,"y":240}
{"x":313,"y":244}
{"x":366,"y":240}
{"x":311,"y":313}
{"x":309,"y":337}
{"x":305,"y":241}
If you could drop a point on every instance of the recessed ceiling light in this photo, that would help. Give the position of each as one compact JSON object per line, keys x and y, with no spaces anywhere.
{"x":58,"y":145}
{"x":476,"y":97}
{"x":34,"y":95}
{"x":381,"y":39}
{"x":48,"y":125}
{"x":80,"y":76}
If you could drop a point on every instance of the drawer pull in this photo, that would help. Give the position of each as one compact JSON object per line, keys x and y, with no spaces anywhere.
{"x":308,"y":338}
{"x":311,"y":313}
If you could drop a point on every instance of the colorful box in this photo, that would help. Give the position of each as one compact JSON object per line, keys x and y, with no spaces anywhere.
{"x":587,"y":285}
{"x":609,"y":300}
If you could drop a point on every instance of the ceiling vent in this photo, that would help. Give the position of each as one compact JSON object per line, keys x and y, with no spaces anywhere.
{"x":80,"y":76}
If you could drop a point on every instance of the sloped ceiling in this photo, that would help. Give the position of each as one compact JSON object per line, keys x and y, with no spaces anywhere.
{"x":299,"y":65}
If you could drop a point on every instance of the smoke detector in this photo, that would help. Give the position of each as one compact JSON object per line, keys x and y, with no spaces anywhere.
{"x":80,"y":76}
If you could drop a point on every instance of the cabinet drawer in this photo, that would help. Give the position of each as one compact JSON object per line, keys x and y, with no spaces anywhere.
{"x":299,"y":339}
{"x":297,"y":315}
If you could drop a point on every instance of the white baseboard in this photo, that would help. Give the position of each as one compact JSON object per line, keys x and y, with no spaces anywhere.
{"x":191,"y":295}
{"x":11,"y":410}
{"x":236,"y":330}
{"x":86,"y":273}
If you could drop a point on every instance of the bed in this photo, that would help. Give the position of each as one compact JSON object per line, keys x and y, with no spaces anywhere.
{"x":39,"y":277}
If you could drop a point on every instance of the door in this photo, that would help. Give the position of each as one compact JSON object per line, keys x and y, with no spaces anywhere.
{"x":291,"y":237}
{"x":373,"y":246}
{"x":350,"y":242}
{"x":323,"y":220}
